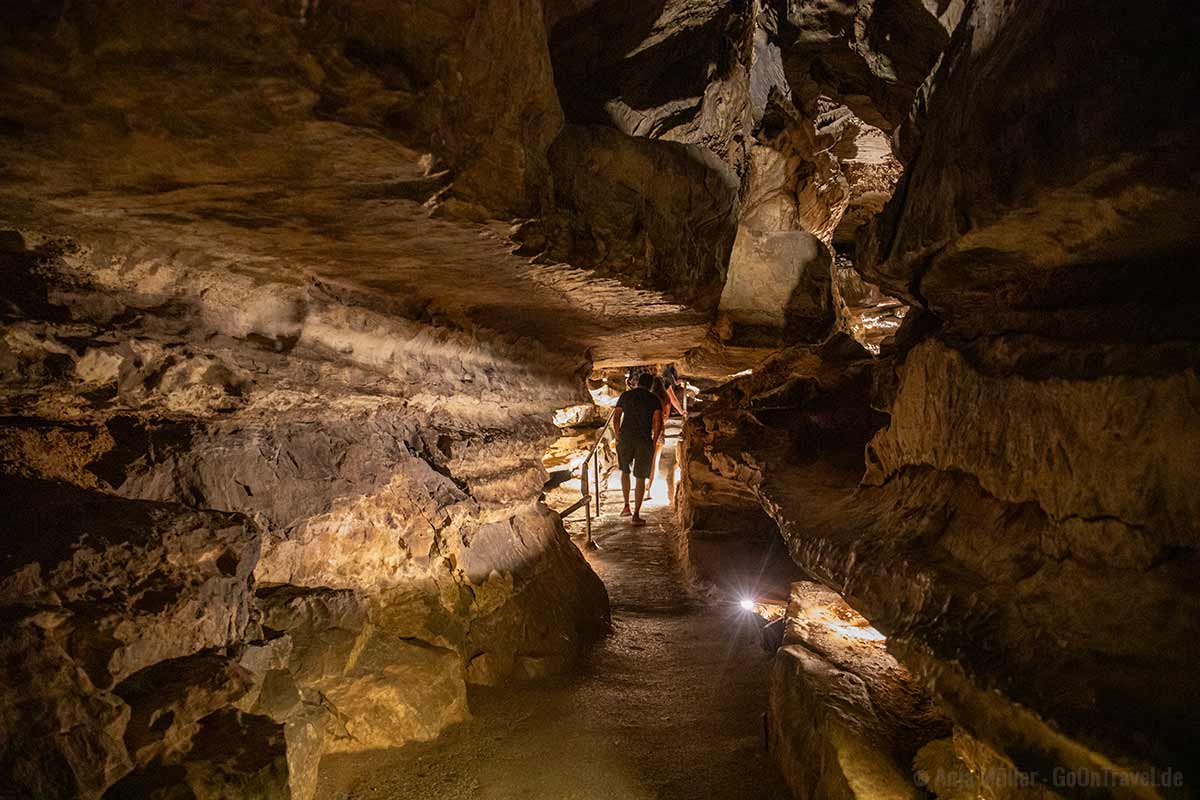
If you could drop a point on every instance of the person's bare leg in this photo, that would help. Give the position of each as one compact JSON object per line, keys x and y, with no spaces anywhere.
{"x":639,"y":492}
{"x":625,"y":492}
{"x":658,"y":448}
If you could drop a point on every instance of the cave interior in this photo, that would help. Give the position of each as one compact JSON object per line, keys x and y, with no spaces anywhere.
{"x":315,"y":313}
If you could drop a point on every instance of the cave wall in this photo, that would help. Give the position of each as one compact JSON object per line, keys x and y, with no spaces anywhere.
{"x":300,"y":508}
{"x":1021,"y":522}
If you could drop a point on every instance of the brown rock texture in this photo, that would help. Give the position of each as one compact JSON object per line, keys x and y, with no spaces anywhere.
{"x":276,"y":379}
{"x":872,"y":56}
{"x":1018,"y":520}
{"x":663,"y":214}
{"x":678,"y":71}
{"x":845,"y":719}
{"x":1041,"y":205}
{"x":97,"y":590}
{"x":1018,"y":589}
{"x":399,"y":543}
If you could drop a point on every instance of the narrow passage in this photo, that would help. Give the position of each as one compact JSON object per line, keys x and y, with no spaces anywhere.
{"x":669,"y":706}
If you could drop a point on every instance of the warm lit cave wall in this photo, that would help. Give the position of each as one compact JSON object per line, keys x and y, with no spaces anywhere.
{"x":251,"y":514}
{"x":225,"y":496}
{"x":1021,"y":519}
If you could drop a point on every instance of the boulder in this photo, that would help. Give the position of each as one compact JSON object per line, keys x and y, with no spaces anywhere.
{"x":384,"y":689}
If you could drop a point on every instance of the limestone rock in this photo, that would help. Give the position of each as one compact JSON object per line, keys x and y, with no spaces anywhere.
{"x":795,"y":181}
{"x":184,"y":582}
{"x":384,"y":689}
{"x":285,"y":409}
{"x":168,"y":700}
{"x":872,"y":56}
{"x":307,"y":719}
{"x":232,"y":755}
{"x":1018,"y":593}
{"x":779,"y":281}
{"x":962,"y":767}
{"x":662,"y":214}
{"x":679,"y":71}
{"x":517,"y":621}
{"x":61,"y":735}
{"x":1004,"y":222}
{"x":862,"y":310}
{"x":822,"y":732}
{"x":99,"y":591}
{"x":864,"y":153}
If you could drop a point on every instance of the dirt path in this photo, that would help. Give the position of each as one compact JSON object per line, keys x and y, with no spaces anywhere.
{"x":669,"y":706}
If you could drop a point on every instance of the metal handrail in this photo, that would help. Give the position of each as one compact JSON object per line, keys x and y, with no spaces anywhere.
{"x":607,"y":424}
{"x":584,"y":501}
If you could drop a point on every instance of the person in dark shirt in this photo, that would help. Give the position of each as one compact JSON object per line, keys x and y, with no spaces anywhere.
{"x":637,"y":421}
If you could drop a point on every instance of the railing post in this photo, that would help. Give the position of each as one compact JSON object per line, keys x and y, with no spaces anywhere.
{"x":587,"y":515}
{"x":596,"y":467}
{"x":583,"y":480}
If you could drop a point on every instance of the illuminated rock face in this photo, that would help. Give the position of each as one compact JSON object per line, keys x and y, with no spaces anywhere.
{"x":1015,"y":609}
{"x":293,"y":531}
{"x":1019,"y":522}
{"x":778,"y":281}
{"x":845,"y":718}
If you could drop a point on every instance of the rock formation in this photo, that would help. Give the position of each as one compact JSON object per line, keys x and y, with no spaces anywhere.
{"x":1018,"y":521}
{"x":379,"y":533}
{"x":295,"y":292}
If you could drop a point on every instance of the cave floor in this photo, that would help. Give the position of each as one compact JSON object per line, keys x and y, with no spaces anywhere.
{"x":669,"y":705}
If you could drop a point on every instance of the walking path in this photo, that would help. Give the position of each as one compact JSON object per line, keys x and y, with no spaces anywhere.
{"x":668,"y":707}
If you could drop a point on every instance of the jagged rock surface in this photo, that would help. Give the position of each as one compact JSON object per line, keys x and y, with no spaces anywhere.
{"x":845,"y":719}
{"x":661,"y":213}
{"x":96,"y":590}
{"x":872,"y":56}
{"x":415,"y":516}
{"x":677,"y":71}
{"x":986,"y":235}
{"x":1020,"y":591}
{"x":1020,"y":525}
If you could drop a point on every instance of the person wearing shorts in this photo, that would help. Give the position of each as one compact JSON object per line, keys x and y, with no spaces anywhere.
{"x":637,"y":421}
